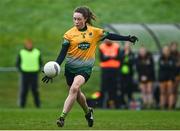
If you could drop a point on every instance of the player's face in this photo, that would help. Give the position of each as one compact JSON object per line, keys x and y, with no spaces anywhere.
{"x":79,"y":20}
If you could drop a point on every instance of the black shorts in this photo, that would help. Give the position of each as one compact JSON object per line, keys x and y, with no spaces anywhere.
{"x":148,"y":79}
{"x":70,"y":76}
{"x":166,"y":77}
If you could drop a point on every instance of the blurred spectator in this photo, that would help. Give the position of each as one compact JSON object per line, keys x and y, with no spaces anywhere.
{"x":176,"y":56}
{"x":109,"y":63}
{"x":146,"y":74}
{"x":126,"y":75}
{"x":166,"y":78}
{"x":29,"y":63}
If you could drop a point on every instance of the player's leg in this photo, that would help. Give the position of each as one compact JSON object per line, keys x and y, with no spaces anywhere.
{"x":81,"y":99}
{"x":73,"y":91}
{"x":72,"y":96}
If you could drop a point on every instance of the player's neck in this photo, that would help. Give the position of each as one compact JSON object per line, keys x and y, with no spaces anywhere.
{"x":83,"y":29}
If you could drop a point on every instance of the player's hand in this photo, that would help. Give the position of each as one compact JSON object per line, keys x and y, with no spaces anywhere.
{"x":46,"y":79}
{"x":133,"y":39}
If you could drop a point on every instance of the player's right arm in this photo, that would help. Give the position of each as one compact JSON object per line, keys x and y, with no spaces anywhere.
{"x":63,"y":52}
{"x":59,"y":59}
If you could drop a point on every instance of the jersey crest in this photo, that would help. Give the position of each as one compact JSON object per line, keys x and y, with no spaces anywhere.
{"x":84,"y":45}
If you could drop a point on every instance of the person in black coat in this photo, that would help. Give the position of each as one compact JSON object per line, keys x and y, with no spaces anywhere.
{"x":126,"y":74}
{"x":110,"y":63}
{"x":176,"y":56}
{"x":166,"y":76}
{"x":29,"y":63}
{"x":146,"y":75}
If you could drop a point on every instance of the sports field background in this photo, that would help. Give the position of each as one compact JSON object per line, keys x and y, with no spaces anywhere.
{"x":45,"y":21}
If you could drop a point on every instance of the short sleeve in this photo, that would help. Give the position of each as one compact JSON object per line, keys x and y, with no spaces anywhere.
{"x":104,"y":35}
{"x":66,"y":36}
{"x":101,"y":33}
{"x":66,"y":42}
{"x":67,"y":39}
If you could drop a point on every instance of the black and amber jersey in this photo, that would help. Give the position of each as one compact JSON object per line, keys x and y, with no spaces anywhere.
{"x":82,"y":46}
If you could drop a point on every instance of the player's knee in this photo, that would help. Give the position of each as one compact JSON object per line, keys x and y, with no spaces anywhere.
{"x":76,"y":85}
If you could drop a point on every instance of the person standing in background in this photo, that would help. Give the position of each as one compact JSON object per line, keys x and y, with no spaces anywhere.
{"x":146,"y":74}
{"x":110,"y":64}
{"x":166,"y":76}
{"x":29,"y":63}
{"x":176,"y":56}
{"x":126,"y":72}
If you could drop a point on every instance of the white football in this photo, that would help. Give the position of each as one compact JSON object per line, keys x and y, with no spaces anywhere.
{"x":52,"y":69}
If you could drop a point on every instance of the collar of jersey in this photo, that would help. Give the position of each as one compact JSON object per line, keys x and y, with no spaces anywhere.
{"x":83,"y":29}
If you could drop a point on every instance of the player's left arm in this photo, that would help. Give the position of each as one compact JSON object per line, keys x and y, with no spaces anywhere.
{"x":116,"y":37}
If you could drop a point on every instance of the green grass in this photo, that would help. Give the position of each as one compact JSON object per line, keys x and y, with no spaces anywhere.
{"x":53,"y":96}
{"x":44,"y":119}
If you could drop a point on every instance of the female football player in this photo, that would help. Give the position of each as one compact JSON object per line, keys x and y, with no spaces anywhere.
{"x":79,"y":49}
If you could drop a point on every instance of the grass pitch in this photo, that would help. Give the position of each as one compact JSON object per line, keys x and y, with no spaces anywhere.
{"x":45,"y":119}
